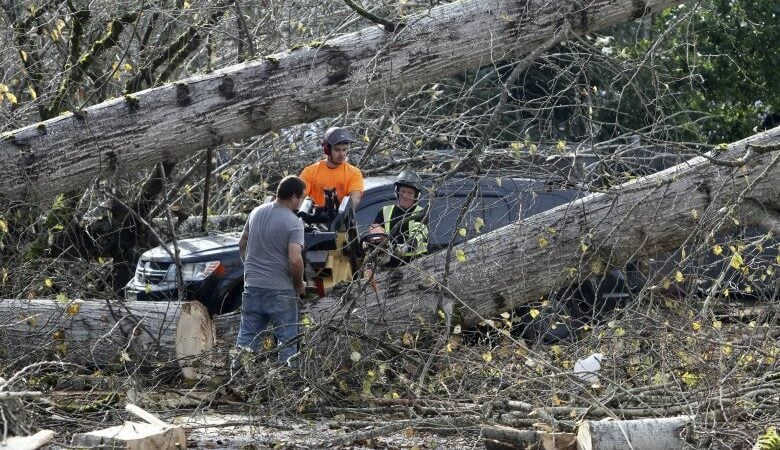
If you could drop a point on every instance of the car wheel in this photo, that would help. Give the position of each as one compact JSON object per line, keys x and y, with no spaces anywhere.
{"x":232,"y":301}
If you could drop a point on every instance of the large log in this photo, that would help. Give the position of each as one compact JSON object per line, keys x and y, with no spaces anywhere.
{"x":534,"y":257}
{"x":646,"y":434}
{"x":299,"y":85}
{"x":105,"y":334}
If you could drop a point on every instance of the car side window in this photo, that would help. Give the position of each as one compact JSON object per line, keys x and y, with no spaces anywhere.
{"x":485,"y":213}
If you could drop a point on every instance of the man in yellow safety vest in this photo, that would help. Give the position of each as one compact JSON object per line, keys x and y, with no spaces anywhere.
{"x":403,"y":222}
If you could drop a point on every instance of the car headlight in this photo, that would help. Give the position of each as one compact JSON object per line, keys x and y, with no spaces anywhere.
{"x":195,"y":271}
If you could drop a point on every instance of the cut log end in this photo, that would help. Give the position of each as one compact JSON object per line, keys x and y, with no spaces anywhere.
{"x":194,"y":340}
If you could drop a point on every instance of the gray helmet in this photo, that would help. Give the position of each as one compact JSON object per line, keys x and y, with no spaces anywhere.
{"x":409,"y":179}
{"x":336,"y":135}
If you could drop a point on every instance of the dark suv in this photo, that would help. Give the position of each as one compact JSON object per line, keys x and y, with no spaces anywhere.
{"x":213,"y":272}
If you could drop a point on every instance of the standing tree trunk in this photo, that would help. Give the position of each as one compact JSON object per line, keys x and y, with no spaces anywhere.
{"x":297,"y":86}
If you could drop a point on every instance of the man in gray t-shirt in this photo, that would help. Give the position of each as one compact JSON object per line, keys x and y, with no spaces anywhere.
{"x":270,"y":247}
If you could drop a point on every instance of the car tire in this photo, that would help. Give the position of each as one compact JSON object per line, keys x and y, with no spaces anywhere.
{"x":232,"y":301}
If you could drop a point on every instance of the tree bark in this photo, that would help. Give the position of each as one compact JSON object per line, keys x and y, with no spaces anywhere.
{"x":105,"y":334}
{"x":532,"y":258}
{"x":645,"y":434}
{"x":296,"y":86}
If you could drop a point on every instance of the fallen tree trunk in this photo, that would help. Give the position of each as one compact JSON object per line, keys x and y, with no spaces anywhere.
{"x":646,"y":434}
{"x":105,"y":334}
{"x":300,"y":85}
{"x":527,"y":261}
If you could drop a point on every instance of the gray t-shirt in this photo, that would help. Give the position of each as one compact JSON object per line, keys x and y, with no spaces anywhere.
{"x":271,"y":228}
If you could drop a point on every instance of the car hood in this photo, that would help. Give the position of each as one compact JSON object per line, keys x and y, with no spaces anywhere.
{"x":198,"y":247}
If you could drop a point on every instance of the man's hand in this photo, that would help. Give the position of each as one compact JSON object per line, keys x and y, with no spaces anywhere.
{"x":300,"y":287}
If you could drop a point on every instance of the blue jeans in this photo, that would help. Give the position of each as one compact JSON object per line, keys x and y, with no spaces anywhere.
{"x":259,"y":307}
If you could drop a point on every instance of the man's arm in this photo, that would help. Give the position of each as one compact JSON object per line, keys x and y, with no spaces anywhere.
{"x":242,"y":244}
{"x":355,"y":185}
{"x":356,"y":196}
{"x":296,"y":267}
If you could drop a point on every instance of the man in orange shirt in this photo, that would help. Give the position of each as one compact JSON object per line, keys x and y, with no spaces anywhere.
{"x":334,"y":172}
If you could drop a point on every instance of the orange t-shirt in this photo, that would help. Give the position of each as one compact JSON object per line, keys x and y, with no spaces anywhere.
{"x":345,"y":178}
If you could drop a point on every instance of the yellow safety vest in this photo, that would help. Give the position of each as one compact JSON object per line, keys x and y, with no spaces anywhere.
{"x":418,"y":231}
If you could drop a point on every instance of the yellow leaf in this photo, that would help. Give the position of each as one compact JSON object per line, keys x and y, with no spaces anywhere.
{"x":3,"y":226}
{"x":583,"y":247}
{"x":60,"y":24}
{"x":690,"y":379}
{"x":478,"y":224}
{"x":456,"y":329}
{"x":460,"y":255}
{"x":717,"y":249}
{"x":556,"y":350}
{"x":31,"y":91}
{"x":441,"y":314}
{"x":619,"y":331}
{"x":3,"y":88}
{"x":268,"y":343}
{"x":666,"y":283}
{"x":462,"y":232}
{"x":534,"y":313}
{"x":148,"y":288}
{"x":48,"y":282}
{"x":23,"y":55}
{"x":736,"y":261}
{"x":696,"y":326}
{"x":73,"y":308}
{"x":678,"y":277}
{"x":695,"y":214}
{"x":561,"y":146}
{"x":543,"y":242}
{"x":128,"y":67}
{"x":11,"y":98}
{"x":355,"y":356}
{"x":516,"y":145}
{"x":726,"y":349}
{"x":409,"y":432}
{"x":124,"y":356}
{"x":62,"y":298}
{"x":717,"y":324}
{"x":408,"y":339}
{"x":556,"y":401}
{"x":505,"y":315}
{"x":532,"y":149}
{"x":418,"y":142}
{"x":5,"y":275}
{"x":487,"y":357}
{"x":597,"y":267}
{"x":186,"y":4}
